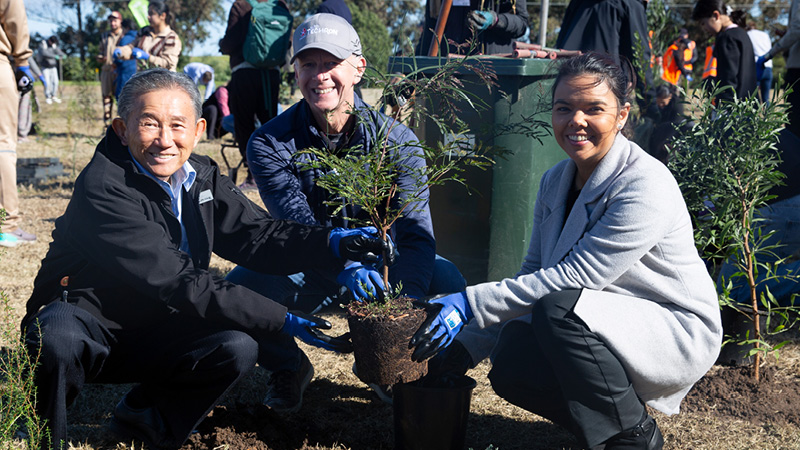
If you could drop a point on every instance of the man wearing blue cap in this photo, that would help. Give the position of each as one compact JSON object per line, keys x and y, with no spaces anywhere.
{"x":328,"y":64}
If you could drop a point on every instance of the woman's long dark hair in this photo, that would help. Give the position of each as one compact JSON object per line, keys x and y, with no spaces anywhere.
{"x":160,"y":8}
{"x":620,"y":79}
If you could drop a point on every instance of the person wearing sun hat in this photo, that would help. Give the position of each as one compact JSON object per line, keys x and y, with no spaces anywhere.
{"x":328,"y":63}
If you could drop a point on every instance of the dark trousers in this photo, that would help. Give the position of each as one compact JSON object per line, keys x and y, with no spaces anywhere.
{"x":557,"y":368}
{"x":792,"y":77}
{"x":248,"y":99}
{"x":183,"y":365}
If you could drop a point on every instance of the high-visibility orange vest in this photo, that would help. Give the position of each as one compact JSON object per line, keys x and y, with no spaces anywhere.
{"x":687,"y":55}
{"x":710,"y":67}
{"x":671,"y":73}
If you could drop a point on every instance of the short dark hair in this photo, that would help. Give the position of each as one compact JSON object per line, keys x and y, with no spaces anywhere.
{"x":127,"y":23}
{"x":155,"y":80}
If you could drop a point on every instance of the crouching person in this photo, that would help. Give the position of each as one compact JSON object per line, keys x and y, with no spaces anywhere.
{"x":124,"y":294}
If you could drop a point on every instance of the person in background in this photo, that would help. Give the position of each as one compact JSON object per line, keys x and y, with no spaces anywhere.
{"x":125,"y":295}
{"x":328,"y":66}
{"x":201,"y":74}
{"x":690,"y":54}
{"x":613,"y":308}
{"x":215,"y":109}
{"x":790,"y":42}
{"x":105,"y":54}
{"x":159,"y":48}
{"x":25,"y":116}
{"x":14,"y":43}
{"x":337,"y":8}
{"x":489,"y":25}
{"x":124,"y":69}
{"x":49,"y":56}
{"x":248,"y":99}
{"x":761,"y":46}
{"x":674,"y":64}
{"x":616,"y":27}
{"x":732,"y":48}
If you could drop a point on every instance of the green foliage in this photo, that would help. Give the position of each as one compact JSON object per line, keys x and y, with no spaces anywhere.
{"x":378,"y":46}
{"x":17,"y":388}
{"x":661,"y":22}
{"x":725,"y":165}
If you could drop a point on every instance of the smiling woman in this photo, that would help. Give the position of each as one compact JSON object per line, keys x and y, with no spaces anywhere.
{"x":612,"y":290}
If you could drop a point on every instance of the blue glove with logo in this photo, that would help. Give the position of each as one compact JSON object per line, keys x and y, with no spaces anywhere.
{"x":27,"y":71}
{"x":363,"y":245}
{"x":363,"y":281}
{"x":307,"y":328}
{"x":140,"y":54}
{"x":446,"y":316}
{"x":482,"y":20}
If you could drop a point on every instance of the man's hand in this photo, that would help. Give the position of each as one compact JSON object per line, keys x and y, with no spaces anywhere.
{"x":307,"y":328}
{"x":363,"y":281}
{"x":446,"y":316}
{"x":140,"y":54}
{"x":363,"y":245}
{"x":482,"y":20}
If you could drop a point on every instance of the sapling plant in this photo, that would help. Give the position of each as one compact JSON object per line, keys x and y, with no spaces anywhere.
{"x":18,"y":418}
{"x":726,"y":165}
{"x":370,"y":179}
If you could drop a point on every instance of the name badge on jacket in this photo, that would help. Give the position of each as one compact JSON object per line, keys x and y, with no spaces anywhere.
{"x":206,"y":196}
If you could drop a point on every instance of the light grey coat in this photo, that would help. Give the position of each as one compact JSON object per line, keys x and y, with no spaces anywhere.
{"x":629,"y":243}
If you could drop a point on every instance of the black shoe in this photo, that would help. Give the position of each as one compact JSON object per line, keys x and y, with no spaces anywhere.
{"x":645,"y":436}
{"x":144,"y":425}
{"x":285,"y":387}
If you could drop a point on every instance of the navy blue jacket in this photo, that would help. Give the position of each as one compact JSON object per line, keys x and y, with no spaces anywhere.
{"x":289,"y":191}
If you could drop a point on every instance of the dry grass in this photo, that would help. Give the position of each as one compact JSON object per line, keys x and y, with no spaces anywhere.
{"x":335,"y":390}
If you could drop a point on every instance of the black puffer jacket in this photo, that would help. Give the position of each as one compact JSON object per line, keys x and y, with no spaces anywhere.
{"x":117,"y":248}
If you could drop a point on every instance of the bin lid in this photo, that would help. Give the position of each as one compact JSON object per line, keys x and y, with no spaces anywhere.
{"x":502,"y":66}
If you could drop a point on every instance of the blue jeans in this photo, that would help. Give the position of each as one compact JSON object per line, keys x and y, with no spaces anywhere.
{"x":312,"y":291}
{"x":765,"y":84}
{"x":783,"y":217}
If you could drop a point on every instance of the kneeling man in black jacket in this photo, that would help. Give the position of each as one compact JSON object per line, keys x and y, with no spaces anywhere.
{"x":124,"y":294}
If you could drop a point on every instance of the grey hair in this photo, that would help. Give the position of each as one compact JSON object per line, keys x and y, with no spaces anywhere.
{"x":155,"y":80}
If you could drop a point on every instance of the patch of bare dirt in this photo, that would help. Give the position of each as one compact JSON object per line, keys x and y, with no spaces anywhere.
{"x":732,"y":392}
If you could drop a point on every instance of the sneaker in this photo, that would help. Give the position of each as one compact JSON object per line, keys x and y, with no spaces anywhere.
{"x":56,"y":99}
{"x":49,"y":101}
{"x":23,"y":236}
{"x":140,"y":424}
{"x":8,"y":240}
{"x":285,"y":388}
{"x":384,"y":392}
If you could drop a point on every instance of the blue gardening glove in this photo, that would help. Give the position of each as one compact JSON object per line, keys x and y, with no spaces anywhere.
{"x":44,"y":83}
{"x":363,"y":245}
{"x":307,"y":328}
{"x":446,"y":316}
{"x":481,"y":20}
{"x":140,"y":54}
{"x":689,"y":78}
{"x":27,"y":71}
{"x":118,"y":53}
{"x":363,"y":281}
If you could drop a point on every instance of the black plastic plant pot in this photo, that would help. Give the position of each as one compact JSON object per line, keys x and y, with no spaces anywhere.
{"x":432,"y":417}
